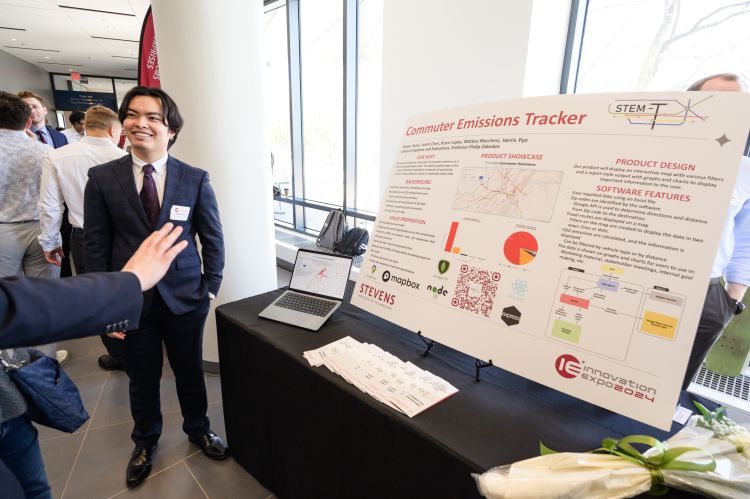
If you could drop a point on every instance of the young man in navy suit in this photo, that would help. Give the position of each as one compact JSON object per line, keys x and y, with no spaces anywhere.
{"x":113,"y":298}
{"x":124,"y":201}
{"x":45,"y":133}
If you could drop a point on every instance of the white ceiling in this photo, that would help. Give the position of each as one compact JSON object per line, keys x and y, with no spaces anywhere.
{"x":64,"y":38}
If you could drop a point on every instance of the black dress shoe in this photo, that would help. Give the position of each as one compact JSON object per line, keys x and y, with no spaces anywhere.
{"x":139,"y":466}
{"x":212,"y":445}
{"x":110,"y":363}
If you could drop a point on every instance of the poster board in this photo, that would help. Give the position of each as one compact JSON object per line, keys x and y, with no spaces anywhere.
{"x":569,"y":238}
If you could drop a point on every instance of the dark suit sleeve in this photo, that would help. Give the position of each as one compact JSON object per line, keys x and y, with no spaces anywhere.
{"x":208,"y":227}
{"x":58,"y":139}
{"x":40,"y":311}
{"x":97,"y":228}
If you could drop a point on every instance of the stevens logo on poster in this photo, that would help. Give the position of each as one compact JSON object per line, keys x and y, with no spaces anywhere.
{"x":377,"y":294}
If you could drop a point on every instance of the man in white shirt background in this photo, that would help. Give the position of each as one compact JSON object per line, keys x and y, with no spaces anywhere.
{"x":75,"y":132}
{"x":64,"y":177}
{"x":732,"y":262}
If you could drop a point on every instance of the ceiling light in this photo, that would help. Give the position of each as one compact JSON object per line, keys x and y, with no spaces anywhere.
{"x":13,"y":39}
{"x":46,"y":57}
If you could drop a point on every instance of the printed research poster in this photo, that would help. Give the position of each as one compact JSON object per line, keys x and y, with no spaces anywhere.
{"x":567,"y":238}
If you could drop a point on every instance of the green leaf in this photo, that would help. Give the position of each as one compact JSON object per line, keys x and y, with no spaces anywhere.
{"x":705,"y":412}
{"x":721,"y":413}
{"x":609,"y":443}
{"x":544,"y":450}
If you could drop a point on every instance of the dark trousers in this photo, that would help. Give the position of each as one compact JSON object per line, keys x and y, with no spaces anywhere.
{"x":114,"y":347}
{"x":718,"y":310}
{"x":182,"y":336}
{"x":19,"y":450}
{"x":65,"y":228}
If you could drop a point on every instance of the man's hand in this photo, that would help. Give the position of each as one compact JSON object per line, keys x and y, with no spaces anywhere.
{"x":735,"y":290}
{"x":117,"y":335}
{"x":52,"y":256}
{"x":152,"y":258}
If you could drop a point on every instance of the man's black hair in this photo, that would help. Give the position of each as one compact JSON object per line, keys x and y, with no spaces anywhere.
{"x":170,"y":113}
{"x":14,"y":112}
{"x":76,"y":117}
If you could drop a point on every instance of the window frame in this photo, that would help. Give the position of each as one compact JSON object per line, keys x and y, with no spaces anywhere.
{"x":297,"y":199}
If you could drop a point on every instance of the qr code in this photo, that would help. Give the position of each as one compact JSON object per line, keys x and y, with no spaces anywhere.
{"x":475,"y":290}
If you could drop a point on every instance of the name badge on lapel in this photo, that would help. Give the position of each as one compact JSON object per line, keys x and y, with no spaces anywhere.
{"x":179,"y":213}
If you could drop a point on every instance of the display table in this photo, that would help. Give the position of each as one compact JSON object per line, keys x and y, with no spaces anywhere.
{"x":304,"y":432}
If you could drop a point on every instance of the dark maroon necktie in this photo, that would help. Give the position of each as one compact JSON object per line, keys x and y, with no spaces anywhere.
{"x":149,"y":197}
{"x":41,"y":136}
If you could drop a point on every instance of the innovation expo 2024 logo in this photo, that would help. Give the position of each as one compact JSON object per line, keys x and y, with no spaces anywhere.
{"x":569,"y":367}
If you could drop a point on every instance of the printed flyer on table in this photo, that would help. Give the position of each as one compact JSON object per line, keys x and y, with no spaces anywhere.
{"x":569,"y":239}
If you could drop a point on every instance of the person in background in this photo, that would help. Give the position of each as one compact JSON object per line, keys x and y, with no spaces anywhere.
{"x":124,"y":201}
{"x":64,"y":176}
{"x":732,"y":262}
{"x":52,"y":138}
{"x":20,"y":174}
{"x":75,"y":133}
{"x":45,"y":133}
{"x":74,"y":308}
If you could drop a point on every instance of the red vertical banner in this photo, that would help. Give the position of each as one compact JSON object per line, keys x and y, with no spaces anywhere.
{"x":148,"y":62}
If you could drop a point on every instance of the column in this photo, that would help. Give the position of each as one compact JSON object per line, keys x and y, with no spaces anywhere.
{"x":210,"y":63}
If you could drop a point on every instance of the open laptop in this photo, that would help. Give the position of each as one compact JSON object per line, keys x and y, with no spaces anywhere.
{"x":315,"y":292}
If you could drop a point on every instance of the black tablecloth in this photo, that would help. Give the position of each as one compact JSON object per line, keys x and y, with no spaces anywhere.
{"x":305,"y":433}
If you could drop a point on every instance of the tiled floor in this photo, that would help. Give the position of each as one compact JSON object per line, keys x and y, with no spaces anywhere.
{"x":90,"y":464}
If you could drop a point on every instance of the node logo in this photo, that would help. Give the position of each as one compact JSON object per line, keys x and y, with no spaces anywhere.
{"x":443,"y":266}
{"x":519,"y":287}
{"x":568,"y":366}
{"x":441,"y":291}
{"x":511,"y":316}
{"x":386,"y":276}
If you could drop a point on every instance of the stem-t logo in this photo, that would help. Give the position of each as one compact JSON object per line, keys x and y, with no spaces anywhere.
{"x":568,"y":366}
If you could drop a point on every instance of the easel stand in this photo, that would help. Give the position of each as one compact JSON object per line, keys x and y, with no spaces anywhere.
{"x":478,"y":364}
{"x":428,"y":342}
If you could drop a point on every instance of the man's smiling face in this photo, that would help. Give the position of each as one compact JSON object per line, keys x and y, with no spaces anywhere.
{"x":146,"y":129}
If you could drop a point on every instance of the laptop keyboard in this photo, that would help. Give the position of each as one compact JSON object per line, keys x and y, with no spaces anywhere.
{"x":306,"y":304}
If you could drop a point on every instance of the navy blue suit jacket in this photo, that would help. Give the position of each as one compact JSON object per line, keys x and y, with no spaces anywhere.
{"x":40,"y":311}
{"x":115,"y":224}
{"x":58,"y":139}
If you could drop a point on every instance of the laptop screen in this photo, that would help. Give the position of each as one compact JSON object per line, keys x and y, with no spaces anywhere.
{"x":321,"y":273}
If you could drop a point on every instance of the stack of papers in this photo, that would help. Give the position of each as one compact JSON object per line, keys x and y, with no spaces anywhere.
{"x":400,"y":385}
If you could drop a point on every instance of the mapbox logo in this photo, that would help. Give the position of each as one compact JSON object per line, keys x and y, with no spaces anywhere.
{"x":568,"y":366}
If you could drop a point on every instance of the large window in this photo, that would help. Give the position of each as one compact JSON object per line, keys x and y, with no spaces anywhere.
{"x":655,"y":45}
{"x":323,"y":72}
{"x":276,"y":108}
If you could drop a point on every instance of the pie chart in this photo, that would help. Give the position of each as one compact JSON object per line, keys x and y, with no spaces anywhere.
{"x":520,"y":248}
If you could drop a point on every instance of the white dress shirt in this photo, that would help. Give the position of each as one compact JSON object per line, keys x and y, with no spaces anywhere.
{"x":64,"y":177}
{"x":159,"y":175}
{"x":72,"y":135}
{"x":733,"y":258}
